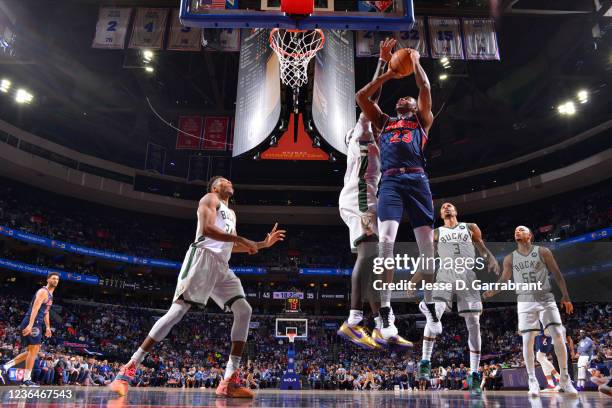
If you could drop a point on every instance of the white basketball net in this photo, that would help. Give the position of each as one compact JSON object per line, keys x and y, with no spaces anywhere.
{"x":295,"y":49}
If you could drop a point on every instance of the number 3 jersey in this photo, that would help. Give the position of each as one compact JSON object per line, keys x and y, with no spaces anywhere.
{"x":455,"y":242}
{"x":531,"y":269}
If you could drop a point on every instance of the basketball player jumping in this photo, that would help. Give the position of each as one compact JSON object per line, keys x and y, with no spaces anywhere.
{"x":457,"y":242}
{"x":404,"y":186}
{"x":357,"y":204}
{"x":31,"y":329}
{"x":205,"y":274}
{"x":531,"y":264}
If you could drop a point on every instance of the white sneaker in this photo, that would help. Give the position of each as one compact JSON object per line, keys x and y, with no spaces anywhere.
{"x":534,"y":388}
{"x":566,"y":386}
{"x":388,"y":332}
{"x":433,"y":322}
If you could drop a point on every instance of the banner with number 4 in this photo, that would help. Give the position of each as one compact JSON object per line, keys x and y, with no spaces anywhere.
{"x":111,"y":28}
{"x":149,"y":28}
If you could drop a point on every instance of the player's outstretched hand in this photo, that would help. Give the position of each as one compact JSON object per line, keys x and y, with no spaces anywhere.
{"x":567,"y":305}
{"x":274,"y":236}
{"x":386,"y":49}
{"x":494,"y":266}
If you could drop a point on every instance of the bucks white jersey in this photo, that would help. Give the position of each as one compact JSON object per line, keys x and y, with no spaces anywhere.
{"x":531,"y":269}
{"x":226,"y":221}
{"x":455,"y":242}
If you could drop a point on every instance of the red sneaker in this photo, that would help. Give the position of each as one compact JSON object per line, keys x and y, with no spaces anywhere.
{"x":121,"y":382}
{"x":233,"y":388}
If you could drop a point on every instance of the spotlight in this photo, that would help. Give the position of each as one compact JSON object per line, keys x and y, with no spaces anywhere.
{"x":5,"y":85}
{"x":444,"y":60}
{"x":443,"y":77}
{"x":583,"y":96}
{"x":147,"y":55}
{"x":23,"y":96}
{"x":568,"y":108}
{"x":149,"y":69}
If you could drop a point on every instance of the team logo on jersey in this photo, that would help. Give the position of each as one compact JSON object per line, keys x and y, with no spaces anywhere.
{"x":35,"y":332}
{"x":462,"y":227}
{"x":534,"y":255}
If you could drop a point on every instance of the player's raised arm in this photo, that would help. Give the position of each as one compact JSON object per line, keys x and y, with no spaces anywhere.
{"x":207,"y":213}
{"x":505,"y":277}
{"x":41,"y":297}
{"x":271,"y":238}
{"x":493,"y":266}
{"x":551,"y":264}
{"x":424,"y":100}
{"x":365,"y":97}
{"x":386,"y":47}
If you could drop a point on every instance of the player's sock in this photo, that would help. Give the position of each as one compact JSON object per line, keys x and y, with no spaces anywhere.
{"x":474,"y":362}
{"x":385,"y":298}
{"x":27,"y":375}
{"x":8,"y":365}
{"x":384,"y":312}
{"x":232,"y":365}
{"x":528,"y":355}
{"x":138,"y":356}
{"x":355,"y":316}
{"x":427,"y":349}
{"x":377,"y":322}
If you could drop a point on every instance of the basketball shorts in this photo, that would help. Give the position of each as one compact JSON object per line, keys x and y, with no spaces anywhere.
{"x":406,"y":193}
{"x":203,"y":275}
{"x":531,"y":314}
{"x":468,"y":299}
{"x":34,"y":338}
{"x":357,"y":205}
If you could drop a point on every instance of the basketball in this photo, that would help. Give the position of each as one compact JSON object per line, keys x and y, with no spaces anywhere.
{"x":401,"y":63}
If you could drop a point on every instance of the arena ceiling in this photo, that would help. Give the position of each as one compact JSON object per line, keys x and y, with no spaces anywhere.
{"x":90,"y":100}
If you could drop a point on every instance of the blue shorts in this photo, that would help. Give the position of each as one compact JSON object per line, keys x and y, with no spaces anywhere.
{"x":35,"y":337}
{"x":407,"y":193}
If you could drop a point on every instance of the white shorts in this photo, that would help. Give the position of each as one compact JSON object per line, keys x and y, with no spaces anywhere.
{"x":531,"y":314}
{"x":468,"y":299}
{"x":203,"y":275}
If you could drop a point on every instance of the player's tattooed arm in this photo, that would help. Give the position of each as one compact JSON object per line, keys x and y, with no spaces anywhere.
{"x":424,"y":102}
{"x":271,"y":238}
{"x":551,"y":264}
{"x":41,"y":297}
{"x":492,"y":264}
{"x":505,"y":277}
{"x":207,"y":214}
{"x":386,"y":48}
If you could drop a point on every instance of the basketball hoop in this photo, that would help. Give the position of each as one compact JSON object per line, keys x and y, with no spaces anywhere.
{"x":291,"y":337}
{"x":295,"y":49}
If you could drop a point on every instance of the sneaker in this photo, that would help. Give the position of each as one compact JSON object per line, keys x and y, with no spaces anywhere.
{"x":30,"y":384}
{"x":566,"y":386}
{"x":399,"y":341}
{"x":550,"y":388}
{"x":122,"y":381}
{"x":473,"y":383}
{"x":534,"y":388}
{"x":424,"y":370}
{"x":430,"y":313}
{"x":357,"y":335}
{"x":233,"y":388}
{"x":388,"y":328}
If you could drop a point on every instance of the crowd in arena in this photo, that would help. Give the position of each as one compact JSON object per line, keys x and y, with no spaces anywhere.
{"x":90,"y":342}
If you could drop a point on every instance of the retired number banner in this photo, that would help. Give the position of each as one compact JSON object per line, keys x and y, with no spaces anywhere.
{"x":445,"y":37}
{"x":224,"y":39}
{"x":480,"y":39}
{"x":415,"y":38}
{"x":183,"y":38}
{"x":149,"y":28}
{"x":215,"y":133}
{"x":111,"y":28}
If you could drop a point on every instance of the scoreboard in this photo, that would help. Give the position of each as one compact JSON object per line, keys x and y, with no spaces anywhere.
{"x":292,"y":305}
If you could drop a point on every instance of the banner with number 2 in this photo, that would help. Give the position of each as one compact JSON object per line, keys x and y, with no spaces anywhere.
{"x":111,"y":28}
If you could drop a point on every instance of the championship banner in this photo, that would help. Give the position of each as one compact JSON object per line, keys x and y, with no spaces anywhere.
{"x":480,"y":39}
{"x":183,"y":38}
{"x":445,"y":37}
{"x":225,"y":39}
{"x":149,"y":28}
{"x":415,"y":38}
{"x":215,"y":133}
{"x":111,"y":28}
{"x":190,"y":133}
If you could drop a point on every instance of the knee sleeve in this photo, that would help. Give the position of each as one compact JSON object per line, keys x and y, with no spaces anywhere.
{"x":162,"y":327}
{"x":242,"y":317}
{"x":472,"y":322}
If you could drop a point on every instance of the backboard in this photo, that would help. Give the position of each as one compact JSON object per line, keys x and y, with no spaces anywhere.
{"x":285,"y":326}
{"x":388,"y":15}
